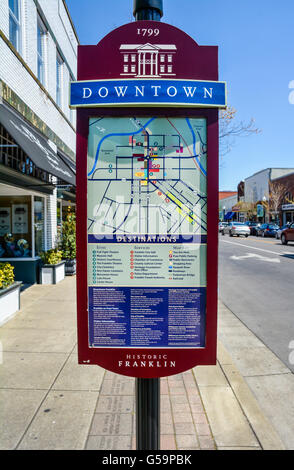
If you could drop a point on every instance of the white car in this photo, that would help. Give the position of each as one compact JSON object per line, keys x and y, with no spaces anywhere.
{"x":221,"y":225}
{"x":236,"y":228}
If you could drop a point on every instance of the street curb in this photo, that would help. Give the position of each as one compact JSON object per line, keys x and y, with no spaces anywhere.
{"x":259,"y":380}
{"x":225,"y":385}
{"x":260,"y":424}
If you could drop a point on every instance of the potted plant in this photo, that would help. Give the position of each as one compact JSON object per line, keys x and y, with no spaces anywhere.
{"x":9,"y":293}
{"x":68,"y":244}
{"x":52,"y":269}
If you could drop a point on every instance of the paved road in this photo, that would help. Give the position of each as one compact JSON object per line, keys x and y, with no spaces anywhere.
{"x":256,"y":282}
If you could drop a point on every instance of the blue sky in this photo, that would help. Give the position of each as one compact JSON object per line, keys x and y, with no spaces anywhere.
{"x":256,"y":58}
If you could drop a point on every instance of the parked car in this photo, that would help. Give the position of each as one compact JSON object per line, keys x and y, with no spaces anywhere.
{"x":253,"y":227}
{"x":279,"y":232}
{"x":287,"y":235}
{"x":221,"y":225}
{"x":236,"y":228}
{"x":267,"y":230}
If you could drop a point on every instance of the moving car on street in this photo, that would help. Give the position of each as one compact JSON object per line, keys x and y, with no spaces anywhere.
{"x":236,"y":228}
{"x":267,"y":230}
{"x":253,"y":227}
{"x":288,"y":235}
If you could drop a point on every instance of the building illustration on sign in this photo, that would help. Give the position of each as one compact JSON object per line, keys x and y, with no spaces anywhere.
{"x":148,"y":60}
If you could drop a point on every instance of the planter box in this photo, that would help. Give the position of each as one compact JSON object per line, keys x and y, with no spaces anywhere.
{"x":9,"y":302}
{"x":70,"y":267}
{"x":52,"y":273}
{"x":26,"y":270}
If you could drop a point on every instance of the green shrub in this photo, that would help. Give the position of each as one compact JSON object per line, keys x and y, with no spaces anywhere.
{"x":6,"y":275}
{"x":52,"y":256}
{"x":68,"y":237}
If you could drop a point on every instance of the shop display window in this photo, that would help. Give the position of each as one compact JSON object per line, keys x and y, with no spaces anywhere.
{"x":15,"y":227}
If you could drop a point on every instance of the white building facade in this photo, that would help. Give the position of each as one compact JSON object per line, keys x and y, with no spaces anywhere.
{"x":38,"y":50}
{"x":257,"y":185}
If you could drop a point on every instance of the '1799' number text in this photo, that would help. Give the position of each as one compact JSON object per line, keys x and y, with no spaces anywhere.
{"x":148,"y":32}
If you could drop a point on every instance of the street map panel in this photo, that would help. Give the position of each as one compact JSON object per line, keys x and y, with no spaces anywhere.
{"x":147,"y":176}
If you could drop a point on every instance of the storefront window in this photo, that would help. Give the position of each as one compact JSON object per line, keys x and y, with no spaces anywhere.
{"x":289,"y":217}
{"x":15,"y":227}
{"x":39,"y":224}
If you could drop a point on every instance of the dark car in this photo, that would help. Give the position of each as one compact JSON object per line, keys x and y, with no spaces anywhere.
{"x":279,"y":232}
{"x":253,"y":227}
{"x":288,"y":234}
{"x":267,"y":230}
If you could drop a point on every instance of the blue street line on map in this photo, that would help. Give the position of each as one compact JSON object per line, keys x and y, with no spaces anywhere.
{"x":116,"y":135}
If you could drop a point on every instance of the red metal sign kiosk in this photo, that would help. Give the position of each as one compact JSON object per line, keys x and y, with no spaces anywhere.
{"x":141,"y":153}
{"x":147,"y":100}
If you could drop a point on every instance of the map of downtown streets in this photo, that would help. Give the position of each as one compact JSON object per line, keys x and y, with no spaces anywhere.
{"x":147,"y":176}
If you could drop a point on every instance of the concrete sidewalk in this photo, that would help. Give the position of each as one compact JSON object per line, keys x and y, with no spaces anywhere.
{"x":48,"y":401}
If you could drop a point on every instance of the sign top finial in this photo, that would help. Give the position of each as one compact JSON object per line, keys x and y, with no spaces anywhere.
{"x":148,"y":9}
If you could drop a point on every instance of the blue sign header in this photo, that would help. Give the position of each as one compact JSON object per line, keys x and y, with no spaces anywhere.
{"x":195,"y":93}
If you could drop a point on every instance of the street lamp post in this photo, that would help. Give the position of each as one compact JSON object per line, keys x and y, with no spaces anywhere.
{"x":264,"y":205}
{"x":224,"y":212}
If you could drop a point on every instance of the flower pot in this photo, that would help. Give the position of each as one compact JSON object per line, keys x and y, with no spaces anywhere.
{"x":70,"y":267}
{"x":52,"y":273}
{"x":9,"y":301}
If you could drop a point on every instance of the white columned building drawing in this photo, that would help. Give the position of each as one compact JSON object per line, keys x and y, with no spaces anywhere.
{"x":148,"y":60}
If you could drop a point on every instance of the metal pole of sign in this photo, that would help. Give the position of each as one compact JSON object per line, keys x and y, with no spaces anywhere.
{"x":148,"y":390}
{"x":148,"y":10}
{"x":148,"y":414}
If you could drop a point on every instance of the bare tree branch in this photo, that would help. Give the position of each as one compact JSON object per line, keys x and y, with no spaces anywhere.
{"x":230,"y":129}
{"x":277,"y":194}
